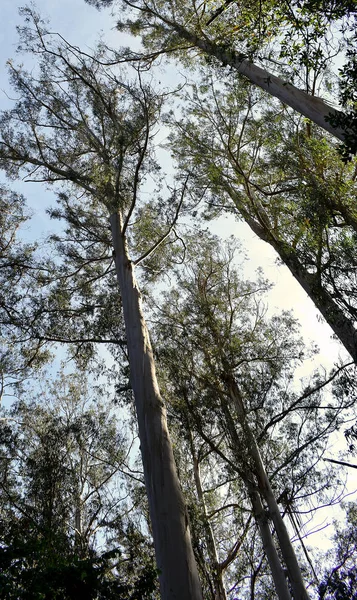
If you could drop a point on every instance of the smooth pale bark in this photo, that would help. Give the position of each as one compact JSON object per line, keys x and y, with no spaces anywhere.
{"x":311,"y":107}
{"x":175,"y":560}
{"x":287,"y":550}
{"x":219,"y":589}
{"x":277,"y":571}
{"x":260,"y":515}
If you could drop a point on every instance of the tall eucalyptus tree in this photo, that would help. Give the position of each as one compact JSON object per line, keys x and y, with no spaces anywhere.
{"x":299,"y":40}
{"x":289,"y":185}
{"x":65,"y":520}
{"x":89,"y":130}
{"x":234,"y":385}
{"x":283,"y":37}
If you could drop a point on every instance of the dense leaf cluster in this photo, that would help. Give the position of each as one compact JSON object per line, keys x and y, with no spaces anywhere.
{"x":62,"y":531}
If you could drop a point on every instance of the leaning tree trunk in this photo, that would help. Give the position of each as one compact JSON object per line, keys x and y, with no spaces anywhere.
{"x":324,"y":302}
{"x":336,"y":318}
{"x":264,"y":487}
{"x":260,"y":515}
{"x":341,"y":325}
{"x":309,"y":106}
{"x":175,"y":560}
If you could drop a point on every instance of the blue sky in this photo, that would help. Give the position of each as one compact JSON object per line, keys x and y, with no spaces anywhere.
{"x":75,"y":19}
{"x":82,"y":25}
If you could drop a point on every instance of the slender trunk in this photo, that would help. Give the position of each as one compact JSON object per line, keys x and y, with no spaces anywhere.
{"x":260,"y":515}
{"x":309,"y":106}
{"x":78,"y":527}
{"x":287,"y":550}
{"x":341,"y":325}
{"x":78,"y":519}
{"x":277,"y":571}
{"x":297,"y":528}
{"x":216,"y":571}
{"x":175,"y":560}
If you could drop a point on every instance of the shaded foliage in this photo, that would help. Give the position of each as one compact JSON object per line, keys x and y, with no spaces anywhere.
{"x":63,"y":529}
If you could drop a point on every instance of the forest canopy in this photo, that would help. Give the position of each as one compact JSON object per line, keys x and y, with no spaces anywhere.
{"x":165,"y":432}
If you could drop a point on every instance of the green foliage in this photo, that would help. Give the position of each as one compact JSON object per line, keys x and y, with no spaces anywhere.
{"x":296,"y":39}
{"x":18,"y":261}
{"x":348,"y":98}
{"x":88,"y":132}
{"x":285,"y":180}
{"x":31,"y":571}
{"x":91,"y":134}
{"x":340,"y":583}
{"x":216,"y":323}
{"x":59,"y":490}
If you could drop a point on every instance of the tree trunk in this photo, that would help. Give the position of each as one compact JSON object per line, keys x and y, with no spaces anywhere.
{"x":277,"y":572}
{"x":216,"y":571}
{"x":309,"y":106}
{"x":260,"y":515}
{"x":175,"y":560}
{"x":341,"y":325}
{"x":349,"y":213}
{"x":287,"y":550}
{"x":78,"y":526}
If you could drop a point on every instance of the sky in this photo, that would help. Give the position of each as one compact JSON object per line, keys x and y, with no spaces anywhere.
{"x":78,"y":22}
{"x":82,"y":25}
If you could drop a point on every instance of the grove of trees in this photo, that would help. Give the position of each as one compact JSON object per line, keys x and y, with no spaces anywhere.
{"x":181,"y":450}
